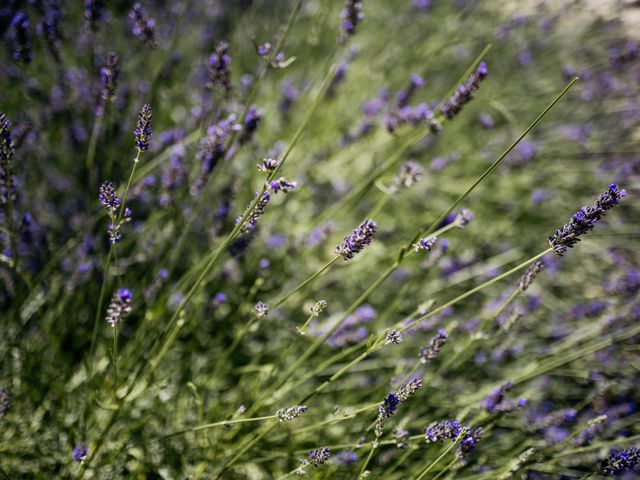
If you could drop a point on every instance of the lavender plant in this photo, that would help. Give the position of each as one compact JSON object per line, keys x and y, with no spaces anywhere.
{"x":271,"y":328}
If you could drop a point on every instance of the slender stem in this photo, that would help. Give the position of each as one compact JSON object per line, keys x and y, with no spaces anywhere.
{"x":93,"y":142}
{"x":437,"y":460}
{"x":473,"y":290}
{"x":247,"y":446}
{"x":115,"y":361}
{"x":499,"y":160}
{"x":96,"y":321}
{"x":208,"y":426}
{"x":306,"y":282}
{"x":366,"y":462}
{"x":446,"y":469}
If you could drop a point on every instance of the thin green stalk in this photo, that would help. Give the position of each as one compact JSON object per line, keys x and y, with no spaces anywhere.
{"x":208,"y":426}
{"x":437,"y":460}
{"x":96,"y":320}
{"x":115,"y":361}
{"x":234,"y":134}
{"x":446,"y":469}
{"x":93,"y":142}
{"x":214,"y":257}
{"x":306,"y":282}
{"x":255,"y":439}
{"x":499,"y":160}
{"x":472,"y":291}
{"x":413,"y":139}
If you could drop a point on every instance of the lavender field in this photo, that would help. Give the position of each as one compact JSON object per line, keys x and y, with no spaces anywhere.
{"x":278,"y":239}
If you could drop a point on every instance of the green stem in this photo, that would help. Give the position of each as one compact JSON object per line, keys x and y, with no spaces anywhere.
{"x":473,"y":290}
{"x":437,"y":460}
{"x":208,"y":426}
{"x":499,"y":160}
{"x":310,"y":279}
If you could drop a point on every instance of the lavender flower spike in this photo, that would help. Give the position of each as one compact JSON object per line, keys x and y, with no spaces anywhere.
{"x":351,"y":15}
{"x":7,"y":189}
{"x":530,"y":275}
{"x":430,"y":352}
{"x":318,"y":457}
{"x":443,"y":430}
{"x":143,"y":132}
{"x":282,"y":185}
{"x":255,"y":215}
{"x":584,"y":220}
{"x":219,"y":72}
{"x":109,"y":76}
{"x":5,"y":402}
{"x":290,"y":413}
{"x":108,"y":198}
{"x":360,"y":238}
{"x":144,"y":27}
{"x":409,"y":389}
{"x":464,"y":93}
{"x":619,"y":462}
{"x":119,"y":307}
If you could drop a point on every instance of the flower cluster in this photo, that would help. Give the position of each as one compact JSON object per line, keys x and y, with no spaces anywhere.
{"x":286,"y":414}
{"x":109,"y":74}
{"x":318,"y":308}
{"x":351,"y":16}
{"x":452,"y":429}
{"x":530,"y":275}
{"x":219,"y":68}
{"x":443,"y":430}
{"x":7,"y":187}
{"x":250,"y":124}
{"x":393,"y":336}
{"x":282,"y":185}
{"x":621,"y":461}
{"x":464,"y":92}
{"x":497,"y":403}
{"x":143,"y":132}
{"x":80,"y":452}
{"x":119,"y":307}
{"x":320,"y":456}
{"x":584,"y":220}
{"x":389,"y":406}
{"x":262,"y":309}
{"x":143,"y":26}
{"x":360,"y":238}
{"x":408,"y":389}
{"x":425,"y":244}
{"x":5,"y":402}
{"x":212,"y":149}
{"x":22,"y":45}
{"x":268,"y":165}
{"x":429,"y":352}
{"x":108,"y":198}
{"x":252,"y":220}
{"x":410,"y":173}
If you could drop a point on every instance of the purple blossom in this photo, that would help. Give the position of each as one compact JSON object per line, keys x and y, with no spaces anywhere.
{"x":464,"y":93}
{"x":621,"y":461}
{"x":21,"y":44}
{"x":429,"y":352}
{"x":143,"y":26}
{"x":584,"y":220}
{"x":143,"y":132}
{"x":80,"y":452}
{"x":109,"y":76}
{"x":119,"y":307}
{"x":356,"y":241}
{"x":219,"y":68}
{"x":351,"y":16}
